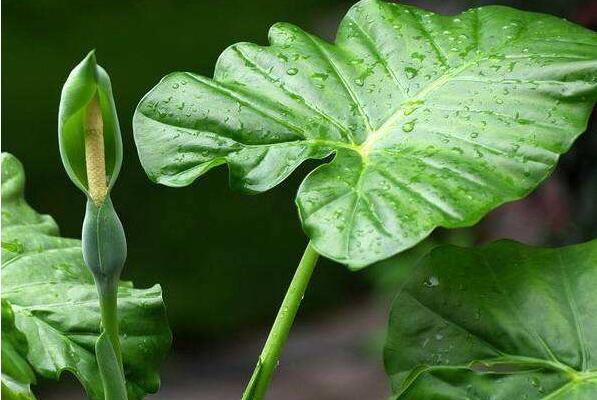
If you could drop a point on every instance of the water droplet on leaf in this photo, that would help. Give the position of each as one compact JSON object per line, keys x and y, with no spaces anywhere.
{"x":411,"y":72}
{"x":409,"y":126}
{"x":432,"y":281}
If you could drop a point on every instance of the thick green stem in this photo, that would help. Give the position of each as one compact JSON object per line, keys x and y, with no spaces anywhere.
{"x":268,"y":360}
{"x":109,"y":313}
{"x":107,"y":347}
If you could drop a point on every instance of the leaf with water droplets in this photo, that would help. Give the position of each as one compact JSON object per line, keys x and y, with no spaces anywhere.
{"x":504,"y":321}
{"x":496,"y":93}
{"x":54,"y":301}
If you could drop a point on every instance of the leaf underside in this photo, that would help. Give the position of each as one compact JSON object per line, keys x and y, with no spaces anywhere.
{"x":433,"y":120}
{"x":55,"y":303}
{"x":505,"y":321}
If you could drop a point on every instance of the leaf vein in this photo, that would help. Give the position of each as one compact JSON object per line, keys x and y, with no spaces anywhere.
{"x":371,"y":45}
{"x":343,"y":81}
{"x":345,"y":131}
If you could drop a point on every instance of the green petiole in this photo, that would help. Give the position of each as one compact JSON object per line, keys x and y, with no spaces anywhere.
{"x":268,"y":360}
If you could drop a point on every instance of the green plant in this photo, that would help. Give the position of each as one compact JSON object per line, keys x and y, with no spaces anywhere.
{"x":431,"y":121}
{"x":50,"y":306}
{"x":91,"y":150}
{"x":422,"y":121}
{"x":504,"y":321}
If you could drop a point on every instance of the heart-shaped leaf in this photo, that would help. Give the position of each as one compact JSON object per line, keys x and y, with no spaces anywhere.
{"x":433,"y":120}
{"x":501,"y":322}
{"x":55,"y":302}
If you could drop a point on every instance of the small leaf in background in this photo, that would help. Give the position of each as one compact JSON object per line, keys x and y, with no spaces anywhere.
{"x":433,"y":120}
{"x":55,"y":302}
{"x":504,"y":321}
{"x":17,"y":375}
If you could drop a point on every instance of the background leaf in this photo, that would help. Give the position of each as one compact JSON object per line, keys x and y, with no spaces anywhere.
{"x":433,"y":120}
{"x":17,"y":375}
{"x":55,"y":303}
{"x":504,"y":321}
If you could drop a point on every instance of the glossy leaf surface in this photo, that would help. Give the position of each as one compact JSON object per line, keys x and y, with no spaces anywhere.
{"x":505,"y":321}
{"x":433,"y":120}
{"x":55,"y":302}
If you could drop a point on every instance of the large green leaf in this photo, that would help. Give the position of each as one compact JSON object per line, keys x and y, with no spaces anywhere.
{"x":501,"y":322}
{"x":55,"y":302}
{"x":433,"y":120}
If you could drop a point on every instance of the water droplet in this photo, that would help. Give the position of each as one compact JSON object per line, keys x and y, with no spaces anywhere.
{"x":359,"y":82}
{"x":320,"y":76}
{"x":14,"y":246}
{"x":432,"y":281}
{"x":478,"y":314}
{"x":292,"y":71}
{"x":409,"y":126}
{"x":458,"y":150}
{"x":412,"y":106}
{"x":418,"y":56}
{"x":411,"y":72}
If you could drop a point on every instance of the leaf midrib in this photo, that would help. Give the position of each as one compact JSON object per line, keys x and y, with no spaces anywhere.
{"x":365,"y":148}
{"x":398,"y":115}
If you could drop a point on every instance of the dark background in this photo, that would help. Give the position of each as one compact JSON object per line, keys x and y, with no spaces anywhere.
{"x":225,"y":259}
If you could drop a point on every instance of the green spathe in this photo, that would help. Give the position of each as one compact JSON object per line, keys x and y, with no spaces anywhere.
{"x":85,"y":81}
{"x":432,"y":120}
{"x":504,"y":321}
